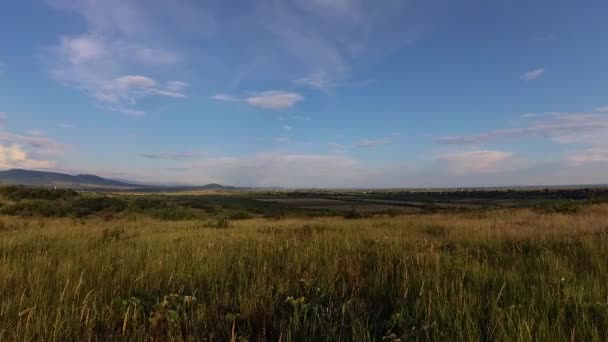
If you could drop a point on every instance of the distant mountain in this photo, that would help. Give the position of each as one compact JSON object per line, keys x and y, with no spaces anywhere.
{"x":43,"y":178}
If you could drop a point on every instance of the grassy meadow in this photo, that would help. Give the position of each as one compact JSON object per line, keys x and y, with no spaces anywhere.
{"x":492,"y":275}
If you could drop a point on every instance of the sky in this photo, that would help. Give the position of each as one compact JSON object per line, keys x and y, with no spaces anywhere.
{"x":308,"y":93}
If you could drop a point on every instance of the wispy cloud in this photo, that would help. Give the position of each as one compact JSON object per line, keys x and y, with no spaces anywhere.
{"x":274,"y":100}
{"x":176,"y":156}
{"x":275,"y":169}
{"x":226,"y":98}
{"x":602,"y":109}
{"x":269,"y":100}
{"x":38,"y":142}
{"x":100,"y":61}
{"x":589,"y":130}
{"x":561,"y":127}
{"x":322,"y":81}
{"x":287,"y":128}
{"x":366,"y":143}
{"x":546,"y":38}
{"x":372,"y":142}
{"x":589,"y":156}
{"x":478,"y":161}
{"x":532,"y":74}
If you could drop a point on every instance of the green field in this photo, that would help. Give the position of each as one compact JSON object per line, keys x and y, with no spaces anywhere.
{"x":220,"y":267}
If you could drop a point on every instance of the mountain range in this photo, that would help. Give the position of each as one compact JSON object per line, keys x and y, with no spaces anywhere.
{"x":86,"y":181}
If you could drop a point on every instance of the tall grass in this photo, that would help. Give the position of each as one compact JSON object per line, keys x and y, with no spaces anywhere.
{"x":498,"y":275}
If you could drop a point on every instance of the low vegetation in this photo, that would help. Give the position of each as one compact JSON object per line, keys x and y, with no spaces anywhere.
{"x":233,"y":272}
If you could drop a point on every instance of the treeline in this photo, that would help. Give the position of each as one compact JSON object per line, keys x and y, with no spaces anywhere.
{"x":49,"y":202}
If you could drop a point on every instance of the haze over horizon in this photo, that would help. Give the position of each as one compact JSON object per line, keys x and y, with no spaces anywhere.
{"x":294,"y":93}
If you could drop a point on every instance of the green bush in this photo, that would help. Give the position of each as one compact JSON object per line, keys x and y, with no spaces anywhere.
{"x":148,"y":203}
{"x":18,"y":193}
{"x":240,"y":215}
{"x":353,"y":214}
{"x":171,"y":214}
{"x":567,"y":207}
{"x":98,"y":204}
{"x":36,"y":208}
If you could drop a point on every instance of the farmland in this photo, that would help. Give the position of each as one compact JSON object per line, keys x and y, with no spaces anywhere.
{"x":304,"y":265}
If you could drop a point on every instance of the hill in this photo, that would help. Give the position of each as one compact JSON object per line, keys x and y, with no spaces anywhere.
{"x":43,"y":178}
{"x":90,"y":182}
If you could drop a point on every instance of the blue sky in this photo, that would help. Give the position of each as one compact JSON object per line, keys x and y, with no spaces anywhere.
{"x":307,"y":93}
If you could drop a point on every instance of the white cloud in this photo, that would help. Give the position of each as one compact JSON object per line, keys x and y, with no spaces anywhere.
{"x":99,"y":61}
{"x":14,"y":156}
{"x":269,"y":100}
{"x":82,"y":49}
{"x":288,"y":170}
{"x":226,"y":98}
{"x":96,"y":66}
{"x":322,"y":37}
{"x":40,"y":143}
{"x":136,"y":113}
{"x":602,"y":109}
{"x":129,"y":89}
{"x":589,"y":156}
{"x":156,"y":56}
{"x":300,"y":117}
{"x":319,"y":80}
{"x":315,"y":42}
{"x":560,"y":127}
{"x":323,"y":81}
{"x":274,"y":100}
{"x":176,"y":86}
{"x":176,"y":156}
{"x":110,"y":16}
{"x":372,"y":142}
{"x":287,"y":128}
{"x":282,"y":140}
{"x":133,"y":19}
{"x":588,"y":132}
{"x":479,"y":161}
{"x":533,"y":74}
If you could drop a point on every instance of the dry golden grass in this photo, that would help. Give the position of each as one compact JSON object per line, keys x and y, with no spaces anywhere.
{"x":499,"y":275}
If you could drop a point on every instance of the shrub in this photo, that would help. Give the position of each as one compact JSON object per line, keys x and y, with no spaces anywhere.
{"x":171,"y":214}
{"x":353,"y":214}
{"x":97,"y":204}
{"x":434,"y":230}
{"x":221,"y":223}
{"x":240,"y":215}
{"x":36,"y":208}
{"x":113,"y":234}
{"x":18,"y":193}
{"x":147,"y":203}
{"x":392,"y":212}
{"x":567,"y":207}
